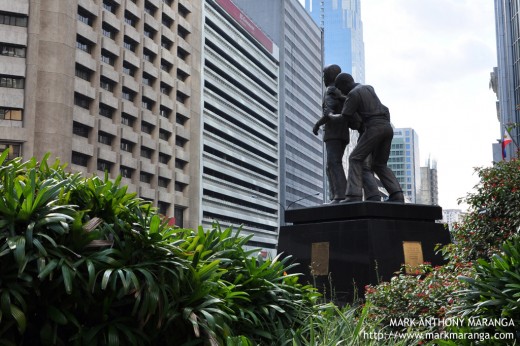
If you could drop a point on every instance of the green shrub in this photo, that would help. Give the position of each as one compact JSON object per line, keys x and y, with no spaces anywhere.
{"x":83,"y":262}
{"x":494,"y":291}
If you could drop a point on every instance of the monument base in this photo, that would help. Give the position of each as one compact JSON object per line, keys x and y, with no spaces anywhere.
{"x":341,"y":248}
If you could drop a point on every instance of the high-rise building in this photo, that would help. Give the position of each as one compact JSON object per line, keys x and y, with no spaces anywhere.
{"x":343,"y":34}
{"x":109,"y":86}
{"x":301,"y":153}
{"x":506,"y":79}
{"x":429,"y":187}
{"x":404,"y":162}
{"x":240,"y":150}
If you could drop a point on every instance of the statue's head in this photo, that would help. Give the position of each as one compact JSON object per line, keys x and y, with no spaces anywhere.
{"x":345,"y":82}
{"x":329,"y":74}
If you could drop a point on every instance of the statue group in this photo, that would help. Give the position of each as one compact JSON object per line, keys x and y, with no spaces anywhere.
{"x":350,"y":105}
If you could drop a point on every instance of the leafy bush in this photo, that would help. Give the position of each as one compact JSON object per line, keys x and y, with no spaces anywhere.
{"x":83,"y":262}
{"x":495,"y":290}
{"x":494,"y":212}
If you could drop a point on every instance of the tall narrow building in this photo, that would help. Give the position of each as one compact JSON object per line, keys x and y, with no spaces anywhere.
{"x":108,"y":86}
{"x":429,"y":188}
{"x":301,"y":153}
{"x":240,"y":149}
{"x":404,"y":162}
{"x":506,"y":79}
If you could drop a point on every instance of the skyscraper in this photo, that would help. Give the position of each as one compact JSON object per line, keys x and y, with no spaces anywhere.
{"x":301,"y":153}
{"x":343,"y":34}
{"x":108,"y":86}
{"x":507,"y":76}
{"x":240,"y":150}
{"x":404,"y":162}
{"x":429,"y":188}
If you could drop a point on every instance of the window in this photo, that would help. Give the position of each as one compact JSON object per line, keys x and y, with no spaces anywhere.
{"x":163,"y":207}
{"x":108,"y":31}
{"x":127,"y":120}
{"x":15,"y":150}
{"x":104,"y":166}
{"x":80,"y":129}
{"x":148,"y":55}
{"x":82,"y":101}
{"x":145,"y":177}
{"x":179,"y":186}
{"x":167,"y":43}
{"x":84,"y":16}
{"x":83,"y":72}
{"x":178,"y":215}
{"x":181,"y":97}
{"x":105,"y":138}
{"x":182,"y":32}
{"x":149,"y":8}
{"x":181,"y":119}
{"x":148,"y":79}
{"x":163,"y":182}
{"x":130,"y":19}
{"x":129,"y":44}
{"x":182,"y":54}
{"x":168,"y":2}
{"x":164,"y":158}
{"x":12,"y":82}
{"x":110,"y":6}
{"x":146,"y":103}
{"x":180,"y":164}
{"x":126,"y":172}
{"x":13,"y":19}
{"x":166,"y":66}
{"x":127,"y":145}
{"x":106,"y":84}
{"x":164,"y":135}
{"x":83,"y":44}
{"x":129,"y":69}
{"x":166,"y":89}
{"x":128,"y":94}
{"x":181,"y":75}
{"x":165,"y":112}
{"x":106,"y":111}
{"x":11,"y":114}
{"x":149,"y":31}
{"x":146,"y":152}
{"x":180,"y":142}
{"x":167,"y":21}
{"x":183,"y":11}
{"x":80,"y":159}
{"x":146,"y":127}
{"x":12,"y":50}
{"x":108,"y":58}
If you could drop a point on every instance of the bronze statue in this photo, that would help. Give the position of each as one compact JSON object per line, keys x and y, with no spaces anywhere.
{"x":364,"y":111}
{"x":335,"y":134}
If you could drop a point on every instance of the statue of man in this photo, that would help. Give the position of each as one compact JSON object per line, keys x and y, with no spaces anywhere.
{"x":362,"y":108}
{"x":335,"y":134}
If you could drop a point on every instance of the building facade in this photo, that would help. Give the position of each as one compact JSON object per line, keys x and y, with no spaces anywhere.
{"x":108,"y":86}
{"x":429,"y":187}
{"x":506,"y":81}
{"x":240,"y":131}
{"x":404,"y":162}
{"x":301,"y":153}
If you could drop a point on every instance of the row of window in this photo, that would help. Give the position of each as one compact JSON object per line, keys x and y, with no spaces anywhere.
{"x":12,"y":82}
{"x":11,"y":114}
{"x":7,"y":49}
{"x":13,"y":19}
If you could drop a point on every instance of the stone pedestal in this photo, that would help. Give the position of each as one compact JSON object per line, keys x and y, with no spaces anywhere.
{"x":354,"y":244}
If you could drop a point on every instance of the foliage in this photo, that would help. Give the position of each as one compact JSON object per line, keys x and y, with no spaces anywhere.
{"x":429,"y":292}
{"x":83,"y":262}
{"x":495,"y":290}
{"x":494,"y":212}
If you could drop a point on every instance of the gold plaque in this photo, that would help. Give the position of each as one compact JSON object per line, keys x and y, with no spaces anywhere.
{"x":413,"y":255}
{"x":320,"y":258}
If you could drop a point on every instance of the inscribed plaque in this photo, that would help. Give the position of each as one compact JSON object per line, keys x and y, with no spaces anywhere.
{"x":413,"y":255}
{"x":320,"y":258}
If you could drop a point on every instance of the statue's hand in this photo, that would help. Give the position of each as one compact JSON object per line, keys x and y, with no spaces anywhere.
{"x":315,"y":129}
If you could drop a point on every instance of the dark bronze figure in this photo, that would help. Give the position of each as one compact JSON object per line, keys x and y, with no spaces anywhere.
{"x":364,"y":111}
